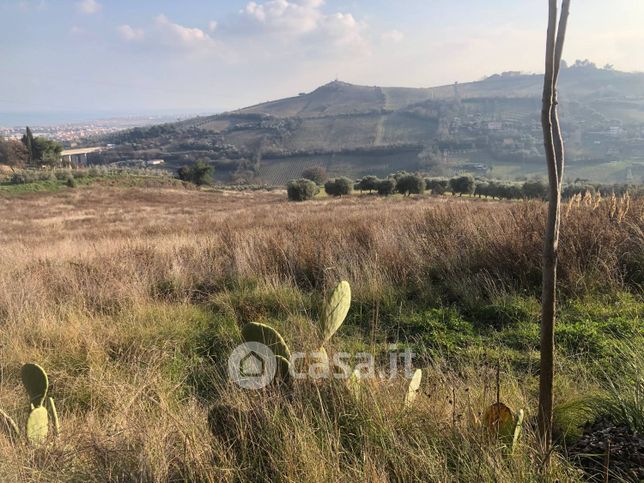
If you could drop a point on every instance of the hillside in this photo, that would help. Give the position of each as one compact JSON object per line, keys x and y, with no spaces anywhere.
{"x":487,"y":127}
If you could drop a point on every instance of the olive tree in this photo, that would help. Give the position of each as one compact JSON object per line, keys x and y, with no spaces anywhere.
{"x":301,"y":189}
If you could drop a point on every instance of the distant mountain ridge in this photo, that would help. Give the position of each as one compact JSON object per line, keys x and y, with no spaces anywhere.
{"x":440,"y":129}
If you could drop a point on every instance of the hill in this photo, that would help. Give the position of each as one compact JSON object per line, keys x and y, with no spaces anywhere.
{"x":487,"y":127}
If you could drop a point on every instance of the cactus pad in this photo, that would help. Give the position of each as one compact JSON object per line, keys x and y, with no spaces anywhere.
{"x":518,"y":426}
{"x":254,"y":332}
{"x":412,"y":389}
{"x":38,"y":426}
{"x":498,"y":419}
{"x":335,"y":310}
{"x":283,"y":373}
{"x":34,"y":378}
{"x":354,"y":384}
{"x":54,"y":415}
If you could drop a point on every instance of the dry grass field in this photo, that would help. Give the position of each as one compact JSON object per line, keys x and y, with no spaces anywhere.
{"x":132,"y":298}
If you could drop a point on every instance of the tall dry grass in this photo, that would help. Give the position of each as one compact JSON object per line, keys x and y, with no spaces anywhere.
{"x":112,"y":291}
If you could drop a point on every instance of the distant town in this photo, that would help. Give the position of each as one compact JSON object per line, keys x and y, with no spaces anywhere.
{"x":70,"y":134}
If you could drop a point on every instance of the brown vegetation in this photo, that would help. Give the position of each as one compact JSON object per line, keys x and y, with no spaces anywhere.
{"x":131,"y":299}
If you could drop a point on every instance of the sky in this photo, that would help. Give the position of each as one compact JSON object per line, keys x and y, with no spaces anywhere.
{"x":203,"y":56}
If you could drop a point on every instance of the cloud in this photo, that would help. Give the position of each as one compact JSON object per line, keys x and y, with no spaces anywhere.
{"x":164,"y":34}
{"x":289,"y":17}
{"x":130,"y":34}
{"x":89,"y":7}
{"x":300,"y":25}
{"x":393,"y":36}
{"x":178,"y":35}
{"x":261,"y":31}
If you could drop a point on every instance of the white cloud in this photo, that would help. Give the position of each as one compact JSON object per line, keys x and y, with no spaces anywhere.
{"x":293,"y":17}
{"x":178,"y":35}
{"x":393,"y":36}
{"x":212,"y":25}
{"x":130,"y":34}
{"x":306,"y":21}
{"x":89,"y":7}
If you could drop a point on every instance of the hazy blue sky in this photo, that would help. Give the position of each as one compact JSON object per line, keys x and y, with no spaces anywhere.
{"x":199,"y":55}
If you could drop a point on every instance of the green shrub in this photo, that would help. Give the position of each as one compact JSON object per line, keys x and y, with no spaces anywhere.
{"x":438,"y":186}
{"x":463,"y":185}
{"x":386,"y":187}
{"x":482,"y":188}
{"x":338,"y":187}
{"x":199,"y":173}
{"x":301,"y":189}
{"x":410,"y":184}
{"x":368,"y":183}
{"x":71,"y":182}
{"x":62,"y":174}
{"x":317,"y":174}
{"x":19,"y":178}
{"x":534,"y":189}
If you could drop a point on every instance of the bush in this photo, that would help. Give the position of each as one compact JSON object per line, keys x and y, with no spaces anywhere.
{"x":317,"y":174}
{"x":509,"y":191}
{"x":410,"y":184}
{"x":199,"y":173}
{"x":534,"y":189}
{"x":62,"y":174}
{"x":368,"y":183}
{"x":301,"y":189}
{"x":438,"y":186}
{"x":19,"y":178}
{"x":71,"y":182}
{"x":338,"y":187}
{"x":463,"y":185}
{"x":386,"y":187}
{"x":482,"y":189}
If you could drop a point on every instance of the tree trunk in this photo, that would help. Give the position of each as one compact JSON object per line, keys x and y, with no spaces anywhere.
{"x":554,"y":148}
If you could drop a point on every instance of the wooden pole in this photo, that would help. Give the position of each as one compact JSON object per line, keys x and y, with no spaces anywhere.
{"x":554,"y":149}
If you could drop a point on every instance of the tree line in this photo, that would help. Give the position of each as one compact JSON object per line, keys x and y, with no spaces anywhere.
{"x":408,"y":184}
{"x":30,"y":151}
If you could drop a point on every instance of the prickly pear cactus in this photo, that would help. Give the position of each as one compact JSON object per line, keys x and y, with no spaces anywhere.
{"x":354,"y":384}
{"x":335,"y":310}
{"x":518,"y":426}
{"x":34,"y":378}
{"x":283,"y":373}
{"x":38,"y":425}
{"x":9,"y":426}
{"x":255,"y":332}
{"x":412,"y":389}
{"x":499,"y":420}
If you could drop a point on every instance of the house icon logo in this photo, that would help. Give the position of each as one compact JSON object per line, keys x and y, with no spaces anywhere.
{"x":252,"y":365}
